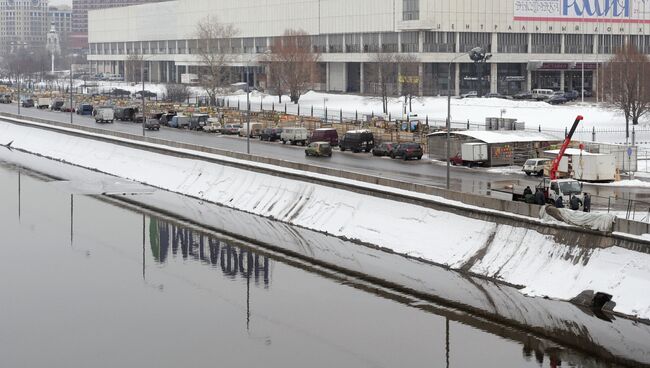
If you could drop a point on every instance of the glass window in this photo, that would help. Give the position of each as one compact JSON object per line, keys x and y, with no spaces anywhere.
{"x":410,"y":41}
{"x":260,"y":45}
{"x":545,"y":43}
{"x":470,"y":40}
{"x":439,"y":42}
{"x":410,"y":9}
{"x":578,"y":44}
{"x":610,"y":44}
{"x":371,"y":42}
{"x":389,"y":42}
{"x":512,"y":43}
{"x":249,"y":45}
{"x":319,"y":43}
{"x":353,"y":42}
{"x":335,"y":43}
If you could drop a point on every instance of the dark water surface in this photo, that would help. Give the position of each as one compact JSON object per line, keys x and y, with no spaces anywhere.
{"x":85,"y":283}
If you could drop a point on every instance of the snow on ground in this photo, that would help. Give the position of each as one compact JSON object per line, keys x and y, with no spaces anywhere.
{"x":475,"y":110}
{"x":635,"y":183}
{"x":512,"y":254}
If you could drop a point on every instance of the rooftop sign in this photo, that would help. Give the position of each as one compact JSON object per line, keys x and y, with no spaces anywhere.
{"x":609,"y":11}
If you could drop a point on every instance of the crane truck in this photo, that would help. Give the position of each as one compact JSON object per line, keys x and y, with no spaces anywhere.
{"x":553,"y":187}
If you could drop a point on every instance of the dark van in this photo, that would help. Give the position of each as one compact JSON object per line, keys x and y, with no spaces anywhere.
{"x":329,"y":135}
{"x":125,"y":113}
{"x":85,"y":109}
{"x":357,"y":141}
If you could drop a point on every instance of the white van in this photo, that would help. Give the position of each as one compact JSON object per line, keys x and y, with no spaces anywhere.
{"x":104,"y":115}
{"x":542,"y":94}
{"x":294,"y":135}
{"x":255,"y":130}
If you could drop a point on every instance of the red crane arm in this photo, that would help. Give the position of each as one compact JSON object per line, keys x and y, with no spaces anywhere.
{"x":567,"y":140}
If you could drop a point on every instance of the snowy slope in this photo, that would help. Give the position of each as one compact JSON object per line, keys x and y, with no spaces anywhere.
{"x":515,"y":255}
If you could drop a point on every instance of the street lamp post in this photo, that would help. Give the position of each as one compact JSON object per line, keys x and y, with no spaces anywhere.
{"x":71,"y":109}
{"x":248,"y":113}
{"x":449,"y":117}
{"x":18,"y":81}
{"x":142,"y":95}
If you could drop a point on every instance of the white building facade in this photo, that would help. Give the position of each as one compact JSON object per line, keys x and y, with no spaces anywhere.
{"x":534,"y":43}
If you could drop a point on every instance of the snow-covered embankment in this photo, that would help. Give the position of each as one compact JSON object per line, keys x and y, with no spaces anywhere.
{"x":513,"y":254}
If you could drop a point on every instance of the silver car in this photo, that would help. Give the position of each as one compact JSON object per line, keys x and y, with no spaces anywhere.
{"x":535,"y":166}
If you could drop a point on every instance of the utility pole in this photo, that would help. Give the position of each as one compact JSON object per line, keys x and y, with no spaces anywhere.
{"x":71,"y":109}
{"x":143,"y":103}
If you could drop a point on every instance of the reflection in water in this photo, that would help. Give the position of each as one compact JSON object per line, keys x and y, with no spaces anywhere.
{"x":316,"y":315}
{"x":233,"y":261}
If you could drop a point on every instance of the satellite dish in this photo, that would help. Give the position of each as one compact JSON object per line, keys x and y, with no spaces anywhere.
{"x":477,"y":54}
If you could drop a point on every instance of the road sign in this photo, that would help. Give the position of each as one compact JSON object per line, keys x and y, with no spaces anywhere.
{"x":629,"y":151}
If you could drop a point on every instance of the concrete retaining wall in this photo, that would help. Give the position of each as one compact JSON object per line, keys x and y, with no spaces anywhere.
{"x":507,"y":209}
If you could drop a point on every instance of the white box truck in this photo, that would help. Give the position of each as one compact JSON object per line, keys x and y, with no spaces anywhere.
{"x":44,"y":103}
{"x":474,"y":154}
{"x":594,"y":167}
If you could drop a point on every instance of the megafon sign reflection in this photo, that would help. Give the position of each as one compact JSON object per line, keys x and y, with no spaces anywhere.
{"x":612,"y":11}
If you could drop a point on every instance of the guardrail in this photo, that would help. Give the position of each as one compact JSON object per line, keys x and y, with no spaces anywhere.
{"x":470,"y":205}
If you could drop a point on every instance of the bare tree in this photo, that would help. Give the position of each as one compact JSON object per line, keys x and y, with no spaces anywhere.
{"x":293,"y":63}
{"x":275,"y":72}
{"x":408,"y":78}
{"x":383,"y":72}
{"x":178,"y":92}
{"x":132,"y":67}
{"x":214,"y":53}
{"x":628,"y":74}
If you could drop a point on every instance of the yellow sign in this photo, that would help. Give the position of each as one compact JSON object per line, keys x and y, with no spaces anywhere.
{"x":409,"y":79}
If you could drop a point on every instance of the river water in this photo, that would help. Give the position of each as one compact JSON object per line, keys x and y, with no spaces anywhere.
{"x":88,"y":283}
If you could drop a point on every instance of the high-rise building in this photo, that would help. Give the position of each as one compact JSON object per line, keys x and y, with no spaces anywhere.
{"x":80,"y":8}
{"x":23,"y":23}
{"x":61,"y":17}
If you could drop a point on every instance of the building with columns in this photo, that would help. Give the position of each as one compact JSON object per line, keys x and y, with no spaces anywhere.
{"x":534,"y":43}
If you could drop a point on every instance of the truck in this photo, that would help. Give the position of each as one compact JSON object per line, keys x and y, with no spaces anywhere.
{"x":474,"y":154}
{"x":189,"y":78}
{"x":43,"y":103}
{"x":591,"y":167}
{"x":104,"y":115}
{"x":552,"y":187}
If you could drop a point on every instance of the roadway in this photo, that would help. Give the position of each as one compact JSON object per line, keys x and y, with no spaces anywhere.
{"x":425,"y":172}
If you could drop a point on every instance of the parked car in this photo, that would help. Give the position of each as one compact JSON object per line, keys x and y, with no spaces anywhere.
{"x":125,"y":113}
{"x":470,"y":94}
{"x":165,"y":118}
{"x":85,"y":109}
{"x":384,"y":149}
{"x":211,"y":126}
{"x":230,"y":129}
{"x":271,"y":134}
{"x":67,"y":107}
{"x":557,"y":98}
{"x":255,"y":130}
{"x":28,"y":102}
{"x":152,"y":124}
{"x":319,"y":149}
{"x":541,"y":94}
{"x":325,"y":135}
{"x":494,"y":95}
{"x":179,"y":122}
{"x":357,"y":141}
{"x":523,"y":96}
{"x":57,"y":105}
{"x":571,"y":95}
{"x":5,"y":99}
{"x":408,"y":151}
{"x":294,"y":135}
{"x":104,"y":114}
{"x":535,"y":166}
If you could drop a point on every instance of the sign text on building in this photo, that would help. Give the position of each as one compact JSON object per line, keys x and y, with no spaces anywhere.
{"x":615,"y":11}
